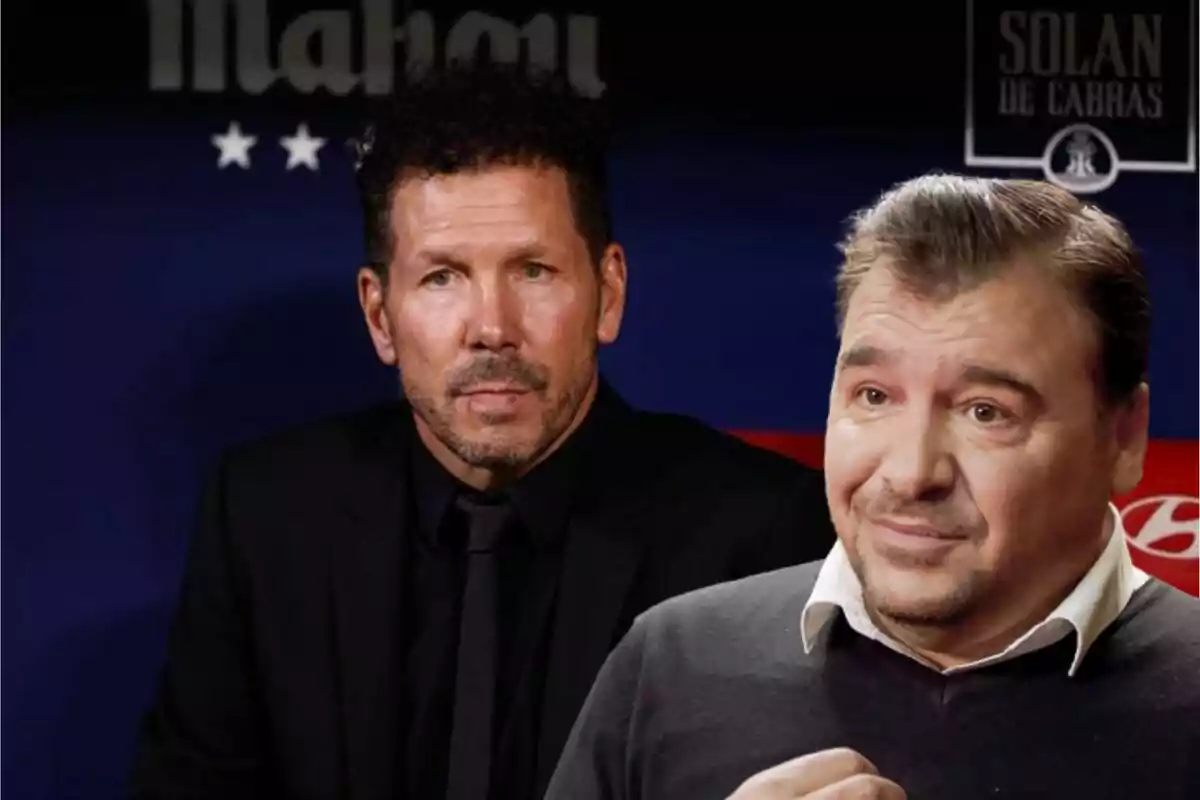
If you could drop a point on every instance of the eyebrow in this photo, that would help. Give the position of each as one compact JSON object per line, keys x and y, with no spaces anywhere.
{"x":447,"y":258}
{"x":992,"y":376}
{"x":978,"y":374}
{"x":440,"y":258}
{"x":863,"y":356}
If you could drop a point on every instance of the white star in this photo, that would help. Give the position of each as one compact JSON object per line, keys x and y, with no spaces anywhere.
{"x":362,"y":147}
{"x":302,"y":148}
{"x":234,"y":146}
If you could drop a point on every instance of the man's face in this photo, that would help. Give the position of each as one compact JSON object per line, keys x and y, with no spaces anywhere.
{"x":968,"y":460}
{"x":493,"y":311}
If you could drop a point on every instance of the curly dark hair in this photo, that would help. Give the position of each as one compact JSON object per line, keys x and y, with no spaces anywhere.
{"x":472,"y":114}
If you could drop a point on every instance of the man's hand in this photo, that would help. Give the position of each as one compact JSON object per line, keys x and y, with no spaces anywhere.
{"x":839,"y":774}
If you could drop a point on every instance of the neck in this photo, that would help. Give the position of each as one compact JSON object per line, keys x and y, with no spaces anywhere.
{"x":1008,"y":616}
{"x":493,"y":478}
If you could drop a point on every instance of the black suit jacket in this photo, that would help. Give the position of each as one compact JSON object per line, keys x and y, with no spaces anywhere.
{"x":281,"y":676}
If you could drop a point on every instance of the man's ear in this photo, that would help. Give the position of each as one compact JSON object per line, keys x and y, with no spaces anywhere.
{"x":372,"y":294}
{"x":613,"y":277}
{"x":1131,"y":431}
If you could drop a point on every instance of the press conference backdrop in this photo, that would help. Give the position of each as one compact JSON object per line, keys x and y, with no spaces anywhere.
{"x":181,"y":238}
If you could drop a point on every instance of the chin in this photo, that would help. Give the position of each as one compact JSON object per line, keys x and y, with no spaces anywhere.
{"x":500,"y":428}
{"x":495,"y":448}
{"x":505,"y":448}
{"x":503,"y":431}
{"x":920,"y":612}
{"x":918,"y":598}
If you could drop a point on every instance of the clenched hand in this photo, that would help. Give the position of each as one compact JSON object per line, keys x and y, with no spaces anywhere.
{"x":838,"y":774}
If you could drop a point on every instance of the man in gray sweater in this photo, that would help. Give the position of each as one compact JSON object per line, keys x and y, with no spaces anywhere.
{"x":979,"y":629}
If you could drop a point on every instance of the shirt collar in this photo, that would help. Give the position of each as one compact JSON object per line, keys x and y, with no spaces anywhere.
{"x":1098,"y":599}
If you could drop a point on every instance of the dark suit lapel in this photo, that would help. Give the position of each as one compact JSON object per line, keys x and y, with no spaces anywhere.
{"x":366,"y":560}
{"x":607,"y":535}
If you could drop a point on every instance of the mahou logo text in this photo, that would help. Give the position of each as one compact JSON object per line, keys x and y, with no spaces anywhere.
{"x":321,"y":50}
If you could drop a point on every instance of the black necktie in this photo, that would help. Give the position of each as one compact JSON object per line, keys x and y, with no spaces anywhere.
{"x":470,"y":760}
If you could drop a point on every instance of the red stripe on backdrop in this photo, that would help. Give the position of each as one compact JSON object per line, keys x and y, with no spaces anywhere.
{"x":1161,"y":518}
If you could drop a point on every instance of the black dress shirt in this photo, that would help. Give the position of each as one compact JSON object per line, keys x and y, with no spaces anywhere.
{"x":530,"y":567}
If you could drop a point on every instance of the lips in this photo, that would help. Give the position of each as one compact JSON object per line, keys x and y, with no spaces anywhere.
{"x":493,"y":389}
{"x":494,"y":403}
{"x":920,"y":530}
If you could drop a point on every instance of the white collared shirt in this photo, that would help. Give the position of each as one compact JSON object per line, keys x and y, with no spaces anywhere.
{"x":1097,"y":600}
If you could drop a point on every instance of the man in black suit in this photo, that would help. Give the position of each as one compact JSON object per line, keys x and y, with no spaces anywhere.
{"x":413,"y":601}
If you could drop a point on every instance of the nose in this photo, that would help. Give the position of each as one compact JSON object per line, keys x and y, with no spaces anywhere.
{"x":918,"y":466}
{"x":494,"y":322}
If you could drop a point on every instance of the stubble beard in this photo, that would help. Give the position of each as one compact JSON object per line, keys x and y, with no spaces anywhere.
{"x":947,"y":610}
{"x":500,"y":455}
